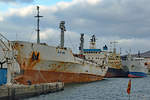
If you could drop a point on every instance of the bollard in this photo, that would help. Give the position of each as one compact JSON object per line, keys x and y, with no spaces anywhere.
{"x":57,"y":87}
{"x":42,"y":88}
{"x":9,"y":98}
{"x":12,"y":94}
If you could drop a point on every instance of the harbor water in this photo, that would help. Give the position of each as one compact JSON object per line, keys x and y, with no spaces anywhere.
{"x":107,"y":89}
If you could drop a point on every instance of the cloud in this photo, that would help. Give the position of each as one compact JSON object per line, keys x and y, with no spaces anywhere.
{"x":1,"y":18}
{"x":126,"y":21}
{"x":52,"y":36}
{"x":14,"y":1}
{"x":108,"y":17}
{"x":134,"y":45}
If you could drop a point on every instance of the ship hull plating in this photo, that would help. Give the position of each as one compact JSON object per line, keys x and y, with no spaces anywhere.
{"x":136,"y":67}
{"x":137,"y":74}
{"x":42,"y":64}
{"x":36,"y":77}
{"x":112,"y":72}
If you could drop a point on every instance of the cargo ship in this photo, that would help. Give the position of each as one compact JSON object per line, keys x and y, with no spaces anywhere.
{"x":115,"y":66}
{"x":41,"y":63}
{"x":137,"y":66}
{"x":103,"y":57}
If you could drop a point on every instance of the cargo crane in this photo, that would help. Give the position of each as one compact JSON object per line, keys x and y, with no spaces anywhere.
{"x":114,"y":46}
{"x":7,"y":58}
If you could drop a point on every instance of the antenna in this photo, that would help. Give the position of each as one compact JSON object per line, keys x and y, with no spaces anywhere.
{"x":38,"y":26}
{"x":130,"y":50}
{"x":16,"y":36}
{"x":139,"y":54}
{"x":93,"y":42}
{"x":114,"y":42}
{"x":120,"y":51}
{"x":63,"y":29}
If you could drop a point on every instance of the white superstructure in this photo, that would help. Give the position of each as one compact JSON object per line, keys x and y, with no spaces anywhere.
{"x":136,"y":66}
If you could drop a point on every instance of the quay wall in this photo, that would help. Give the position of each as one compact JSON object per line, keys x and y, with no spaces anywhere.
{"x":15,"y":91}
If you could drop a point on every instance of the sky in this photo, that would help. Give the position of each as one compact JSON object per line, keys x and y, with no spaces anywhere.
{"x":124,"y":21}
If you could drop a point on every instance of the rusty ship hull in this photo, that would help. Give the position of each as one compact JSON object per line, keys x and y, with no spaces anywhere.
{"x":40,"y":63}
{"x":37,"y":77}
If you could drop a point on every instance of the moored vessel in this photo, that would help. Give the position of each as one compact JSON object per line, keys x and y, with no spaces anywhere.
{"x":115,"y":63}
{"x":94,"y":54}
{"x":136,"y":66}
{"x":40,"y":63}
{"x":115,"y":66}
{"x":104,"y":57}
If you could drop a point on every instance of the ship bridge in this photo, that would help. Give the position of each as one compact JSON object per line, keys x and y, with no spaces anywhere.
{"x":92,"y":50}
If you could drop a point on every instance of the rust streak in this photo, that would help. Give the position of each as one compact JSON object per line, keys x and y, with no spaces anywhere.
{"x":31,"y":62}
{"x":52,"y":76}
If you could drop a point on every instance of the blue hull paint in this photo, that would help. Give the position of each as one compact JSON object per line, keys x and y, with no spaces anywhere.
{"x":112,"y":72}
{"x":138,"y":74}
{"x":3,"y":76}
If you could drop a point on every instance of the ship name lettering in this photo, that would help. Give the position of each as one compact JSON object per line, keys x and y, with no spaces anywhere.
{"x":60,"y":52}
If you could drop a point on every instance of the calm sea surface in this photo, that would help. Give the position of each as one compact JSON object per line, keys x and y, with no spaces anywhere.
{"x":107,"y":89}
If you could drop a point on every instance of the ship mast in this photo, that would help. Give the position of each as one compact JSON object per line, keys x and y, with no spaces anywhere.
{"x":114,"y":43}
{"x":38,"y":26}
{"x":63,"y":29}
{"x":93,"y":42}
{"x":139,"y":54}
{"x":81,"y":43}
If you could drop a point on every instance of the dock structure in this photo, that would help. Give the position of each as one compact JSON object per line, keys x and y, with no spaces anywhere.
{"x":15,"y":91}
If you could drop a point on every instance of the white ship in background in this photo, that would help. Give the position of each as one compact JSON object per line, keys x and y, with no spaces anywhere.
{"x":137,"y":66}
{"x":40,"y":63}
{"x":94,"y":54}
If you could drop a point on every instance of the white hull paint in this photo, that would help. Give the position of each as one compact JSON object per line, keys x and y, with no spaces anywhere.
{"x":54,"y":59}
{"x":136,"y":66}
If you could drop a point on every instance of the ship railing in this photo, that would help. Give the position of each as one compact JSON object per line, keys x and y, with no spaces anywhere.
{"x":102,"y":66}
{"x":85,"y":61}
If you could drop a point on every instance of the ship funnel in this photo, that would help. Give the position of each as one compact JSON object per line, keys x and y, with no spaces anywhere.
{"x":93,"y":42}
{"x":139,"y":54}
{"x":63,"y":29}
{"x":81,"y":43}
{"x":105,"y":48}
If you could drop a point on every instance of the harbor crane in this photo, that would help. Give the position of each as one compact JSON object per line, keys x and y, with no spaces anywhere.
{"x":114,"y":45}
{"x":7,"y":57}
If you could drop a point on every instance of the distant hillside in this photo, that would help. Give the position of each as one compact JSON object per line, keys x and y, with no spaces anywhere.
{"x":145,"y":54}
